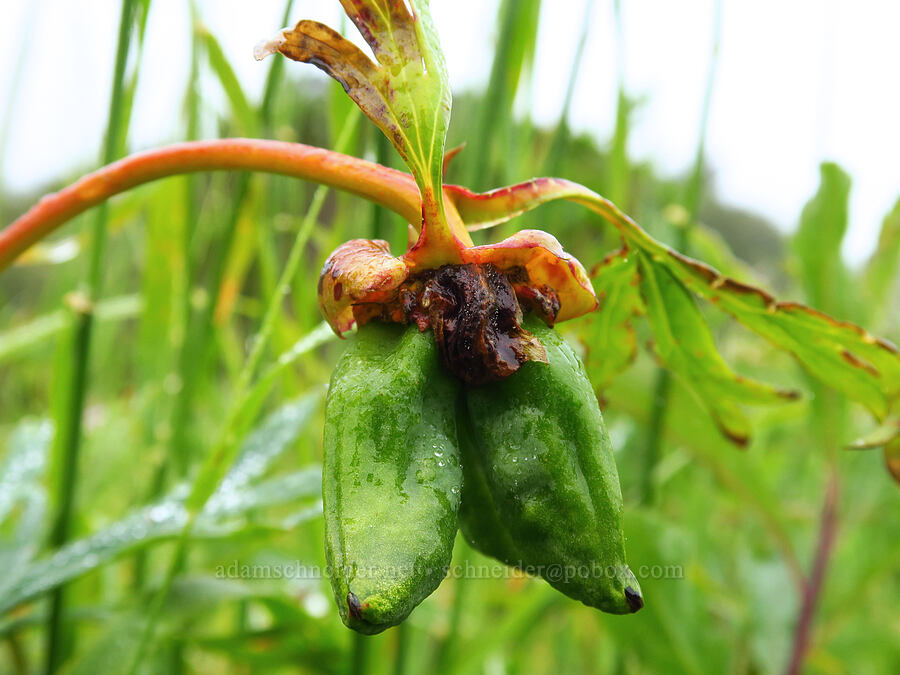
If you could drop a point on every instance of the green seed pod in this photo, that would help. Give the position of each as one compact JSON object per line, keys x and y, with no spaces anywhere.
{"x":541,"y":490}
{"x":391,"y":475}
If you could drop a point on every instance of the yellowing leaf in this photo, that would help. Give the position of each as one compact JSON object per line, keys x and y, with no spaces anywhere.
{"x":406,"y":94}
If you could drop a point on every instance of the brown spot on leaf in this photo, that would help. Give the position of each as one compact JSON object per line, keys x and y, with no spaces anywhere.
{"x":702,"y":268}
{"x":737,"y":287}
{"x":892,"y":459}
{"x":856,"y":362}
{"x":609,"y":259}
{"x":717,"y":281}
{"x":740,"y":440}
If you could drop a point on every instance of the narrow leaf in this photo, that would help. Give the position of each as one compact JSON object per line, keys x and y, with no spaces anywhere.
{"x":881,"y":270}
{"x":879,"y":437}
{"x":240,"y":105}
{"x":24,"y":463}
{"x":162,"y":521}
{"x":166,"y":519}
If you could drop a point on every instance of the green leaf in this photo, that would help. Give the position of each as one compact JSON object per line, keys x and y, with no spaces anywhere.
{"x":880,"y":436}
{"x":407,"y":94}
{"x":817,"y":242}
{"x":881,"y":270}
{"x":517,"y":27}
{"x":240,"y":106}
{"x":221,"y":456}
{"x":166,"y":519}
{"x":607,"y":334}
{"x":683,"y":342}
{"x":162,"y":521}
{"x":842,"y":355}
{"x":24,"y":464}
{"x":268,"y":442}
{"x":23,"y":497}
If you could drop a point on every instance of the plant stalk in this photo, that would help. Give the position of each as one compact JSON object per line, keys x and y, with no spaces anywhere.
{"x":67,"y":444}
{"x":560,"y":141}
{"x":359,"y":661}
{"x":401,"y":656}
{"x":394,"y":189}
{"x":824,"y":547}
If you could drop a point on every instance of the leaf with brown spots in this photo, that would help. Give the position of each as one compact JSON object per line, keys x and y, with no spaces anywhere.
{"x":358,"y":270}
{"x":406,"y":93}
{"x":843,"y":356}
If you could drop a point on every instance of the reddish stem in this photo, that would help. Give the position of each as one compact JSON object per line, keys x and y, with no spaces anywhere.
{"x":388,"y":187}
{"x":813,"y":589}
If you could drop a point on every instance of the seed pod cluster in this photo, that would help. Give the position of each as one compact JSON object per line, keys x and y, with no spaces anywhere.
{"x":522,"y":464}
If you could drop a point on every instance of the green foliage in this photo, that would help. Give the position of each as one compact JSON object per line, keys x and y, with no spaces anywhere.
{"x":239,"y":493}
{"x":407,"y":95}
{"x":491,"y":138}
{"x":841,"y":355}
{"x":685,"y":345}
{"x":727,"y":543}
{"x":817,"y":242}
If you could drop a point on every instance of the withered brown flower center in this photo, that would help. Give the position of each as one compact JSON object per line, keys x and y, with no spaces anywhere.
{"x":475,"y":315}
{"x":476,"y":320}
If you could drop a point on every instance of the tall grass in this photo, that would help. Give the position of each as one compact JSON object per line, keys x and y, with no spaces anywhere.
{"x":72,"y":375}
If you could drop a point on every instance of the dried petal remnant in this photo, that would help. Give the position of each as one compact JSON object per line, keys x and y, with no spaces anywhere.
{"x":476,"y":319}
{"x":359,"y":270}
{"x":552,"y":281}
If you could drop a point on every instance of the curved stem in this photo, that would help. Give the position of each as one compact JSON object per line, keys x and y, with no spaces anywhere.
{"x":388,"y":187}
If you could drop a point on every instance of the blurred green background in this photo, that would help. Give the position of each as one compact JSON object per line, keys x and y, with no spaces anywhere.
{"x":723,"y":539}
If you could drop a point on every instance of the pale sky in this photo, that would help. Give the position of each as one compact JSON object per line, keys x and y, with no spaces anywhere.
{"x":798,"y":81}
